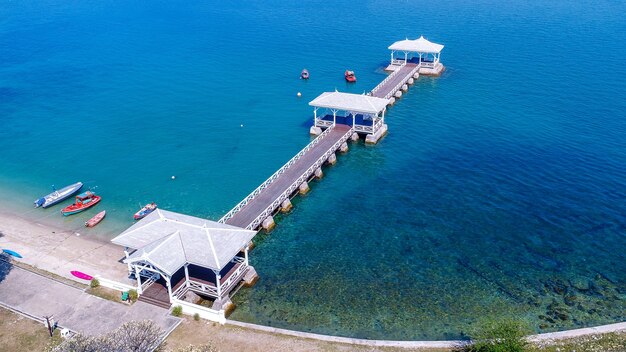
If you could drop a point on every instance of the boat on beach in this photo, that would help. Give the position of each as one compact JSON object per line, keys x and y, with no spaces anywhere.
{"x":304,"y":74}
{"x":350,"y":77}
{"x":83,"y":202}
{"x":143,"y":212}
{"x":96,"y":219}
{"x":81,"y":275}
{"x":58,"y":195}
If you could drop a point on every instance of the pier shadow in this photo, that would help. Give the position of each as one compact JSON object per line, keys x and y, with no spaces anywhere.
{"x":5,"y":266}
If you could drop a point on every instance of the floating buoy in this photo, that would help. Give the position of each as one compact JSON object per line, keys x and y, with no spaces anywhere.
{"x":173,"y":177}
{"x":299,"y":94}
{"x":241,"y":125}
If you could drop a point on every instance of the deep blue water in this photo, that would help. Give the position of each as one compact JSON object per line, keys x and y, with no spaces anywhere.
{"x":499,"y":191}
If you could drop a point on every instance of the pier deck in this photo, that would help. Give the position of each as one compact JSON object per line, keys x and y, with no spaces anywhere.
{"x":388,"y":87}
{"x":263,"y":201}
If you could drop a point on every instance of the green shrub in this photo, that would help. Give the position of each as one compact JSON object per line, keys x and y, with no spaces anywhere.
{"x":94,"y":283}
{"x":177,"y":311}
{"x":196,"y":317}
{"x":132,"y":295}
{"x":499,"y":336}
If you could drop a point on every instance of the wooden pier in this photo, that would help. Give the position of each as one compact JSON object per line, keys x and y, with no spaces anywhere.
{"x":268,"y":197}
{"x":362,"y":114}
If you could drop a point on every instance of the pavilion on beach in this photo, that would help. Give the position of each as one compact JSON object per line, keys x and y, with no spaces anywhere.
{"x":365,"y":114}
{"x":420,"y":51}
{"x":178,"y":259}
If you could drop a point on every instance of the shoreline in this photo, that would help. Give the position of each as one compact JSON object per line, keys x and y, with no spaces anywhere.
{"x":59,"y":251}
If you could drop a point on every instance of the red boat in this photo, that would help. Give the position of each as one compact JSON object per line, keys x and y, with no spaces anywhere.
{"x":304,"y":74}
{"x":84,"y":201}
{"x":350,"y":77}
{"x":96,"y":219}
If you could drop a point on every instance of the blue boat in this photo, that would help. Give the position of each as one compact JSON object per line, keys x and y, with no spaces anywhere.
{"x":58,"y":195}
{"x":13,"y":253}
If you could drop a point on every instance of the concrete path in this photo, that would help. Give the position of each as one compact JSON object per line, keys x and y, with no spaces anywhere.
{"x":72,"y":308}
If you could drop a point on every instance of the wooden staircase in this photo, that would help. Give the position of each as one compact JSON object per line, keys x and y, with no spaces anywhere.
{"x":156,"y":294}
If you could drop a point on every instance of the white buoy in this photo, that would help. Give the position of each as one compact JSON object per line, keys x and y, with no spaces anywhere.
{"x":299,"y":94}
{"x":241,"y":125}
{"x":173,"y":177}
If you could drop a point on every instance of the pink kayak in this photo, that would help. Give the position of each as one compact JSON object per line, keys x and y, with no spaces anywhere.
{"x":82,"y":275}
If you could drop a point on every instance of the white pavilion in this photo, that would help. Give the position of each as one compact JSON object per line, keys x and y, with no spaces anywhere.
{"x":419,"y":51}
{"x":364,"y":113}
{"x":171,"y":254}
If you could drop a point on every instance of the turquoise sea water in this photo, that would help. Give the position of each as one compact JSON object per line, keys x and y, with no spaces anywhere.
{"x":499,"y":191}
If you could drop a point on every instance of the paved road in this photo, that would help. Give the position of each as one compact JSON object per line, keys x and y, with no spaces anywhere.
{"x":71,"y":307}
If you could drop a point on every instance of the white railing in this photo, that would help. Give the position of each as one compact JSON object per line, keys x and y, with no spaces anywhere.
{"x":272,"y":178}
{"x":204,"y":312}
{"x":369,"y":129}
{"x":402,"y":82}
{"x":115,"y":285}
{"x":304,"y":177}
{"x":391,"y":75}
{"x":398,"y":61}
{"x":323,"y":123}
{"x":234,"y":278}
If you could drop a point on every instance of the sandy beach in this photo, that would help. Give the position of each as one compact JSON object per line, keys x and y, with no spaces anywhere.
{"x":60,"y":251}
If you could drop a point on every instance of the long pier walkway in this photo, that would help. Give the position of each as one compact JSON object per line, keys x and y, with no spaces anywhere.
{"x":264,"y":201}
{"x":394,"y":82}
{"x":269,"y":196}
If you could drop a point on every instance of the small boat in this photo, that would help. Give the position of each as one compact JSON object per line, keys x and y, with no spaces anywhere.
{"x":304,"y":74}
{"x":149,"y":208}
{"x":12,"y":253}
{"x":83,"y":202}
{"x":96,"y":219}
{"x":58,"y":195}
{"x":81,"y":275}
{"x":350,"y":77}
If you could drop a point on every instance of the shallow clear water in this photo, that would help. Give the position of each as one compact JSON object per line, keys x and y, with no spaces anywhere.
{"x":499,"y":191}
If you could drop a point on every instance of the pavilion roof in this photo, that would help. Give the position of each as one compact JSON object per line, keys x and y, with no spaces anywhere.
{"x":169,"y":240}
{"x":350,"y":102}
{"x":420,"y":45}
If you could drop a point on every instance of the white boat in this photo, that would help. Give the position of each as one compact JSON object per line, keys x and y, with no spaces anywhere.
{"x":58,"y":195}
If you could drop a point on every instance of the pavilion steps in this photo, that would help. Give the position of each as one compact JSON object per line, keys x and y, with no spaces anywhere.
{"x":155,"y":302}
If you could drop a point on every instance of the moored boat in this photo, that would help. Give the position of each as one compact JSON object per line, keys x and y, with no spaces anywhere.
{"x":149,"y":208}
{"x":81,"y":275}
{"x":304,"y":74}
{"x":96,"y":219}
{"x":83,"y":202}
{"x":58,"y":195}
{"x":350,"y":77}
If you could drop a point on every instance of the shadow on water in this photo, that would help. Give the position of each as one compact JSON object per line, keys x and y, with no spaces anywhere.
{"x":5,"y":265}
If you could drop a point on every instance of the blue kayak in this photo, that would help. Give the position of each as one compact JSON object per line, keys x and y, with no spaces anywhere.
{"x":13,"y":253}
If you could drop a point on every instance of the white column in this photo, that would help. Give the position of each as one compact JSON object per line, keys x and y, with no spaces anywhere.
{"x":334,"y":117}
{"x":218,"y":278}
{"x":130,"y":269}
{"x":384,"y":115}
{"x":245,"y":253}
{"x":315,"y":117}
{"x":169,"y":287}
{"x":392,"y":52}
{"x":186,"y":275}
{"x":139,"y":289}
{"x":406,"y":56}
{"x":353,"y":119}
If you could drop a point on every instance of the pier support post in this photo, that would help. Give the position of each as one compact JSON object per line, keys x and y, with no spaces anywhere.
{"x":304,"y":188}
{"x":286,"y":206}
{"x":373,"y":138}
{"x":319,"y":173}
{"x":251,"y":277}
{"x":392,"y":101}
{"x":332,"y":159}
{"x":268,"y":224}
{"x":344,"y":147}
{"x":398,"y":94}
{"x":354,"y":137}
{"x":416,"y":75}
{"x":315,"y":131}
{"x":411,"y":81}
{"x":405,"y":87}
